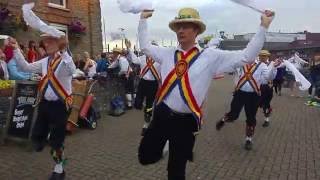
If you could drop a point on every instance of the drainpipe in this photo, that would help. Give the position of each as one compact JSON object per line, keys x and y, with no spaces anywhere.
{"x":90,"y":27}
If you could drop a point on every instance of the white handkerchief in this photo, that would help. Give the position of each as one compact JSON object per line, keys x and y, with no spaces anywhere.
{"x":135,"y":6}
{"x":35,"y":22}
{"x":256,"y":5}
{"x":304,"y":83}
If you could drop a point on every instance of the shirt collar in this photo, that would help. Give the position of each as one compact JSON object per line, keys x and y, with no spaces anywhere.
{"x":195,"y":45}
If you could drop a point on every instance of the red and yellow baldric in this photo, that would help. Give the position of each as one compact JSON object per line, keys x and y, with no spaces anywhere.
{"x":150,"y":67}
{"x":179,"y":77}
{"x":51,"y":79}
{"x":248,"y":71}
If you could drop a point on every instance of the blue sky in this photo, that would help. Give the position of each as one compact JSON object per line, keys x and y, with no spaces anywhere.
{"x":291,"y":16}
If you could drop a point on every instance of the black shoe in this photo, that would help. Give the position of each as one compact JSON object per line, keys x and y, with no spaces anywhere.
{"x":57,"y":176}
{"x":219,"y":125}
{"x":265,"y":124}
{"x":38,"y":147}
{"x":248,"y":145}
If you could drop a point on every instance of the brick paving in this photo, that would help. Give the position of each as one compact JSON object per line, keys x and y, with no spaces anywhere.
{"x":288,"y":149}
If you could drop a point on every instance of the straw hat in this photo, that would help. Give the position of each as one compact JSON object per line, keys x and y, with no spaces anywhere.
{"x":117,"y":50}
{"x":188,"y":15}
{"x":264,"y":53}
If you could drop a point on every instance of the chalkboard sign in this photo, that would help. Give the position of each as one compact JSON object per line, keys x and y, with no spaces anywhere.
{"x":22,"y":113}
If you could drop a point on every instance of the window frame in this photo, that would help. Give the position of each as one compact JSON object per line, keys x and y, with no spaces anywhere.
{"x":54,"y":5}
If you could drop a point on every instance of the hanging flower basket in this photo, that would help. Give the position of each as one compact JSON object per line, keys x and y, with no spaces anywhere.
{"x":76,"y":28}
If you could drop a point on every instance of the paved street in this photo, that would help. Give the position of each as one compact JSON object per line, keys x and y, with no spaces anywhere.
{"x":288,"y":149}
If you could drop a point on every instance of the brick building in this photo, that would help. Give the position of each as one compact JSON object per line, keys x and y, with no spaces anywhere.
{"x":60,"y":14}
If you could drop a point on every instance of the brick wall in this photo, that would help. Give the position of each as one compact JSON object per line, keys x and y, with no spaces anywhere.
{"x":87,"y":11}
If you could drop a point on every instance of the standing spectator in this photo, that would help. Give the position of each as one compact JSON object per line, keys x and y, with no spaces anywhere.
{"x":90,"y":65}
{"x":32,"y":52}
{"x":102,"y":63}
{"x":314,"y":74}
{"x":14,"y":72}
{"x":4,"y":74}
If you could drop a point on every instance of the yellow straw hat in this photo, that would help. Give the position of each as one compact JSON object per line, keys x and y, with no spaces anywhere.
{"x":264,"y":53}
{"x":118,"y":50}
{"x":188,"y":15}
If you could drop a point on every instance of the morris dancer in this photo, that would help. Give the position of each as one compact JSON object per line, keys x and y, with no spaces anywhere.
{"x":266,"y":87}
{"x":55,"y":92}
{"x":247,"y":94}
{"x":148,"y":85}
{"x":186,"y":73}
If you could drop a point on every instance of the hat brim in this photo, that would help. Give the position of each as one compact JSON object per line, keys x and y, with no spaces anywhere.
{"x":264,"y":54}
{"x":117,"y":51}
{"x":197,"y":22}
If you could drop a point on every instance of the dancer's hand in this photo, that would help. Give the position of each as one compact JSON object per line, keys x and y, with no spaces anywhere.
{"x":266,"y":18}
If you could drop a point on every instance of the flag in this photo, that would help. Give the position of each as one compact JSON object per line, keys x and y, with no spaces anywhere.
{"x":35,"y":22}
{"x":253,"y":4}
{"x":135,"y":6}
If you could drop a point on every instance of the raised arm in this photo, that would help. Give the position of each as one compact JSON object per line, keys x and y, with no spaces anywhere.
{"x":227,"y":61}
{"x":150,"y":50}
{"x":132,"y":57}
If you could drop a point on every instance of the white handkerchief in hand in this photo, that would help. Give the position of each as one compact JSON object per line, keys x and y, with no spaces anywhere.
{"x":135,"y":6}
{"x":256,"y":5}
{"x":304,"y":84}
{"x":35,"y":22}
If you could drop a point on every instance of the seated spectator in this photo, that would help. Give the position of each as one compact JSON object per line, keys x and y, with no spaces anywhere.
{"x":14,"y":72}
{"x":4,"y":74}
{"x":103,"y":63}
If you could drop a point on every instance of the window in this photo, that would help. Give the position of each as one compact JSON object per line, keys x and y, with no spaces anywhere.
{"x":60,"y":27}
{"x":58,"y":3}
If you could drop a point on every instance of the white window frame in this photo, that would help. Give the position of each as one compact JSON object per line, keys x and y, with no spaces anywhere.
{"x":61,"y":27}
{"x":64,"y":6}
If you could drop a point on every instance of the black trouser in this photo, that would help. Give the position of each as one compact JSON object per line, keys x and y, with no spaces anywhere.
{"x":266,"y":97}
{"x":128,"y":83}
{"x":179,"y":130}
{"x":52,"y":118}
{"x":250,"y":102}
{"x":277,"y":84}
{"x":146,"y":89}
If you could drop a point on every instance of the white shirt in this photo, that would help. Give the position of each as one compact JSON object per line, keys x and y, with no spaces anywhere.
{"x":5,"y":69}
{"x":123,"y":63}
{"x":262,"y":75}
{"x":93,"y":69}
{"x":211,"y":62}
{"x":142,"y":61}
{"x":63,"y":73}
